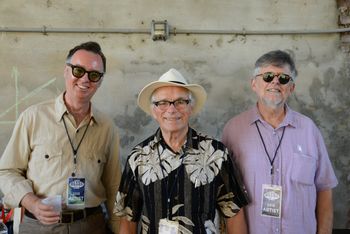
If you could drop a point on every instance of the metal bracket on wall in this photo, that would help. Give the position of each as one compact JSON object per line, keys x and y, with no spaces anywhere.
{"x":159,"y":30}
{"x":344,"y":22}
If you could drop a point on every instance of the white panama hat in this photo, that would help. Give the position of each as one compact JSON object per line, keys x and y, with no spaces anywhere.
{"x":171,"y":78}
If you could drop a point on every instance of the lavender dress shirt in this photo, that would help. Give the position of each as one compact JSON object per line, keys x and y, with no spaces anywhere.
{"x":301,"y":167}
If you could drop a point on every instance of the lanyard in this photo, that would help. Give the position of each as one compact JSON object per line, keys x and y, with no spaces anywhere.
{"x":75,"y":151}
{"x":6,"y":218}
{"x":267,"y":154}
{"x":172,"y":187}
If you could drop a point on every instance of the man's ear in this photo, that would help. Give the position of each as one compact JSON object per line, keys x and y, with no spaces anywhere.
{"x":66,"y":71}
{"x":292,"y":87}
{"x":191,"y":110}
{"x":152,"y":113}
{"x":99,"y":82}
{"x":253,"y":83}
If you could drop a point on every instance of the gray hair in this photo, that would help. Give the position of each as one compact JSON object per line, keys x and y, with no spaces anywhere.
{"x":276,"y":58}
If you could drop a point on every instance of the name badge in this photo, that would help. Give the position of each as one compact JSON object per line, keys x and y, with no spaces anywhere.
{"x":76,"y":193}
{"x":271,"y":200}
{"x":168,"y":227}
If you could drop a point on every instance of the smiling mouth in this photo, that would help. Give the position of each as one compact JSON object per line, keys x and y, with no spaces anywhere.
{"x":83,"y":87}
{"x":273,"y":90}
{"x":172,"y":118}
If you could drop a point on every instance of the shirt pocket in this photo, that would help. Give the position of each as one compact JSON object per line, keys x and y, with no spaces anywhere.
{"x":303,"y":169}
{"x":96,"y":162}
{"x":45,"y":162}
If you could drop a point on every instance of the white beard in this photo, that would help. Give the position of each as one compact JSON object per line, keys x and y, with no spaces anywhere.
{"x":274,"y":104}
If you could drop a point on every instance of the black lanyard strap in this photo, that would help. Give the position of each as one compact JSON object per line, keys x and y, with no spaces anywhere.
{"x":75,"y":150}
{"x":267,"y":153}
{"x":172,"y":187}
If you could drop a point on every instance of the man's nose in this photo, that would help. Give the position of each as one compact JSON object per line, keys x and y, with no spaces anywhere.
{"x":85,"y":77}
{"x":276,"y":79}
{"x":172,"y":107}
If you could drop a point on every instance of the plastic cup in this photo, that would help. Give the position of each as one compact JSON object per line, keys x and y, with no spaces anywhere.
{"x":55,"y":201}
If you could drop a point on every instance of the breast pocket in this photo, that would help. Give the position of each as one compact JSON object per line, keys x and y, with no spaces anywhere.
{"x":45,"y":162}
{"x":96,"y":162}
{"x":303,"y":169}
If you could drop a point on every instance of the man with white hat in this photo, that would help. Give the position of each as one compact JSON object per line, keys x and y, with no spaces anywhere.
{"x":178,"y":180}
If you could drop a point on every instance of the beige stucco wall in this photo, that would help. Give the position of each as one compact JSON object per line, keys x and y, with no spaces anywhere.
{"x":32,"y":64}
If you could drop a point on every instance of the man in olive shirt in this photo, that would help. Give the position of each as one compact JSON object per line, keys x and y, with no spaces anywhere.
{"x":65,"y":147}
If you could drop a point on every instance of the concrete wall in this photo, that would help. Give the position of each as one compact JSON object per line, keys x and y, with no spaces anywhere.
{"x":32,"y":64}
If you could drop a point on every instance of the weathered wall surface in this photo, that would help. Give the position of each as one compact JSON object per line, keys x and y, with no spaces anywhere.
{"x":32,"y":64}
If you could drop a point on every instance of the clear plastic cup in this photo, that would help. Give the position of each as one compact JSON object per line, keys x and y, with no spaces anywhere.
{"x":55,"y":201}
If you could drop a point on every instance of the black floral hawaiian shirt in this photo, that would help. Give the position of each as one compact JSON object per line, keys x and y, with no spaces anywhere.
{"x":193,"y":186}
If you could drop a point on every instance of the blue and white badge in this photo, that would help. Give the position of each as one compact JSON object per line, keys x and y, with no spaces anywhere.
{"x":76,"y":193}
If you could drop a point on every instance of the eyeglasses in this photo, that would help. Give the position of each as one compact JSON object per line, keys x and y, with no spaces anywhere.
{"x":282,"y":78}
{"x":179,"y":104}
{"x":79,"y":72}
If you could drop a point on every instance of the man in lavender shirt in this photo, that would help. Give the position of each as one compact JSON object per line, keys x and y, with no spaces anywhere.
{"x":282,"y":155}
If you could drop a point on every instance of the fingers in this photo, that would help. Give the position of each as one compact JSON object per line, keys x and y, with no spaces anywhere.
{"x":46,"y":214}
{"x":49,"y":217}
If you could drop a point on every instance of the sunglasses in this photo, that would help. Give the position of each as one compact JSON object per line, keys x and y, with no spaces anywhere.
{"x":282,"y":78}
{"x":79,"y":72}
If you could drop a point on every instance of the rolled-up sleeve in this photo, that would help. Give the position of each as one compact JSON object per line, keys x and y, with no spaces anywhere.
{"x":129,"y":198}
{"x":14,"y":164}
{"x":232,"y":194}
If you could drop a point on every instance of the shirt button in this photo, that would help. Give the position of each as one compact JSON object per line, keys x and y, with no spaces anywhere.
{"x":99,"y":161}
{"x":46,"y":156}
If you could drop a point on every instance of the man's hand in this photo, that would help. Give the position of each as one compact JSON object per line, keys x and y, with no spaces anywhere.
{"x":44,"y":213}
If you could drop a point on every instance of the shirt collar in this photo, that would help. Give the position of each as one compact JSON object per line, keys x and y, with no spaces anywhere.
{"x":289,"y":119}
{"x":61,"y":110}
{"x":158,"y":138}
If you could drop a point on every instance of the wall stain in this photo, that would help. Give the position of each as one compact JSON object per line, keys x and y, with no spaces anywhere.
{"x":315,"y":92}
{"x":126,"y":139}
{"x":193,"y":66}
{"x":233,"y":39}
{"x":219,"y":42}
{"x":207,"y":85}
{"x":131,"y":48}
{"x":134,"y":122}
{"x":48,"y":3}
{"x":242,"y":39}
{"x":329,"y":77}
{"x":149,"y":62}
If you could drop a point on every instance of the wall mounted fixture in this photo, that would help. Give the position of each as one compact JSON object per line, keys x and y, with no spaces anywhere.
{"x":159,"y":30}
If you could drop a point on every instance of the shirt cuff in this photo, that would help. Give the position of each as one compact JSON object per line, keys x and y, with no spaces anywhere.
{"x":16,"y":194}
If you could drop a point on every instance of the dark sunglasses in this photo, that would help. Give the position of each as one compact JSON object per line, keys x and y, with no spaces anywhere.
{"x":282,"y":78}
{"x":79,"y":72}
